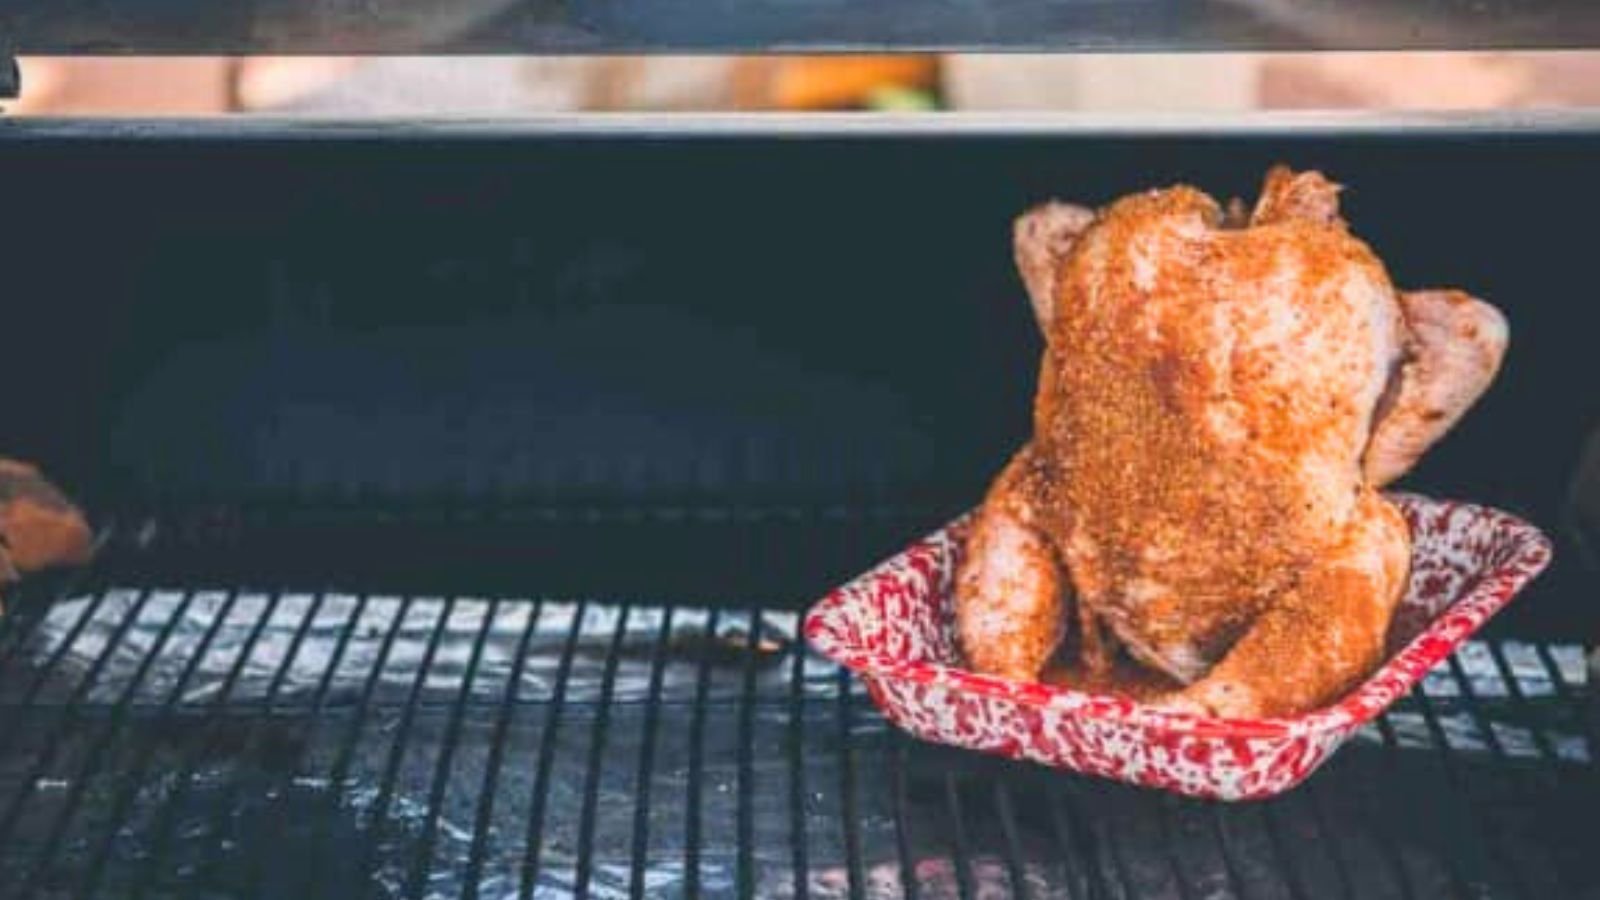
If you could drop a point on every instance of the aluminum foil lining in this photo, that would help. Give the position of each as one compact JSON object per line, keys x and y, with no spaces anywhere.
{"x":268,"y":745}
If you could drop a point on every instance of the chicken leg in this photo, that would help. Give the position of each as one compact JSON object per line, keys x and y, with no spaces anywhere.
{"x":1011,"y":612}
{"x":1011,"y":602}
{"x":1322,"y":636}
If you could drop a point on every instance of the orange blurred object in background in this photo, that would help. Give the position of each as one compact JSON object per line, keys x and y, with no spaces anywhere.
{"x":829,"y":82}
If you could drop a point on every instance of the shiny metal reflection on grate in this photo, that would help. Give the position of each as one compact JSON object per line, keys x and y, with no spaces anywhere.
{"x":197,"y":742}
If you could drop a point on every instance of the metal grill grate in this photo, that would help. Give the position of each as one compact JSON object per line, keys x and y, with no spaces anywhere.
{"x":180,"y":742}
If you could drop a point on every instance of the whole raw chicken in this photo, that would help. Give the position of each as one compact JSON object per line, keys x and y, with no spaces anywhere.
{"x":1220,"y":399}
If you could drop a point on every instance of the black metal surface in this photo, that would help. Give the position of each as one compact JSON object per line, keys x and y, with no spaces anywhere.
{"x":481,"y":330}
{"x":545,"y":26}
{"x":158,"y":739}
{"x":468,"y":479}
{"x":10,"y":76}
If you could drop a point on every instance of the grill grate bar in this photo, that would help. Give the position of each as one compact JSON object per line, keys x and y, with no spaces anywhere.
{"x":251,"y":709}
{"x":484,"y":818}
{"x":902,"y":826}
{"x":1484,"y":852}
{"x":1200,"y":852}
{"x":1164,"y":815}
{"x":746,"y":762}
{"x":33,"y":597}
{"x":341,"y":646}
{"x":52,"y":745}
{"x":1379,"y":828}
{"x":597,"y":744}
{"x":1506,"y":769}
{"x":547,"y":754}
{"x":91,"y":760}
{"x":853,"y":537}
{"x":30,"y":694}
{"x":280,"y":676}
{"x":797,"y":771}
{"x":640,"y":849}
{"x":1105,"y":830}
{"x":1479,"y":870}
{"x":339,"y":781}
{"x":95,"y":872}
{"x":1078,"y":847}
{"x":27,"y":602}
{"x":1008,"y":827}
{"x":1226,"y":851}
{"x":960,"y":854}
{"x":23,"y":608}
{"x":1474,"y":706}
{"x":227,"y":798}
{"x":15,"y":624}
{"x":1292,"y":877}
{"x":1330,"y":839}
{"x":416,"y":879}
{"x":1569,"y":698}
{"x":1472,"y":883}
{"x":258,"y":859}
{"x":1536,"y":730}
{"x":167,"y":815}
{"x":697,"y":729}
{"x":847,"y":792}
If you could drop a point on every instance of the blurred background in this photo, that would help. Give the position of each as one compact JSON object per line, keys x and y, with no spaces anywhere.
{"x":508,"y":86}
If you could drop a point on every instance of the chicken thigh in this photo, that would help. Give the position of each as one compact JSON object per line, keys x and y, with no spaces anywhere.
{"x":1220,"y":398}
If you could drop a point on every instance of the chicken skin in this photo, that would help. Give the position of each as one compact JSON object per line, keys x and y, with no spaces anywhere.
{"x":1220,"y":399}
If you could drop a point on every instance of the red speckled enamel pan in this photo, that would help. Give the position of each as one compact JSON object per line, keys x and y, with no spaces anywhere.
{"x":893,"y":627}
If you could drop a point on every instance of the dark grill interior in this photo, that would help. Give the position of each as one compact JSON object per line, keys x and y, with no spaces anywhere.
{"x":462,"y":486}
{"x":458,"y":332}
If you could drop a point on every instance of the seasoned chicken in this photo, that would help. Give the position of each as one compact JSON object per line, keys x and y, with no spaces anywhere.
{"x":1221,"y":396}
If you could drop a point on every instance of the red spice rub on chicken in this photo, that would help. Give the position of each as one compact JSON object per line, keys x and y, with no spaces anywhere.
{"x":1219,"y":401}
